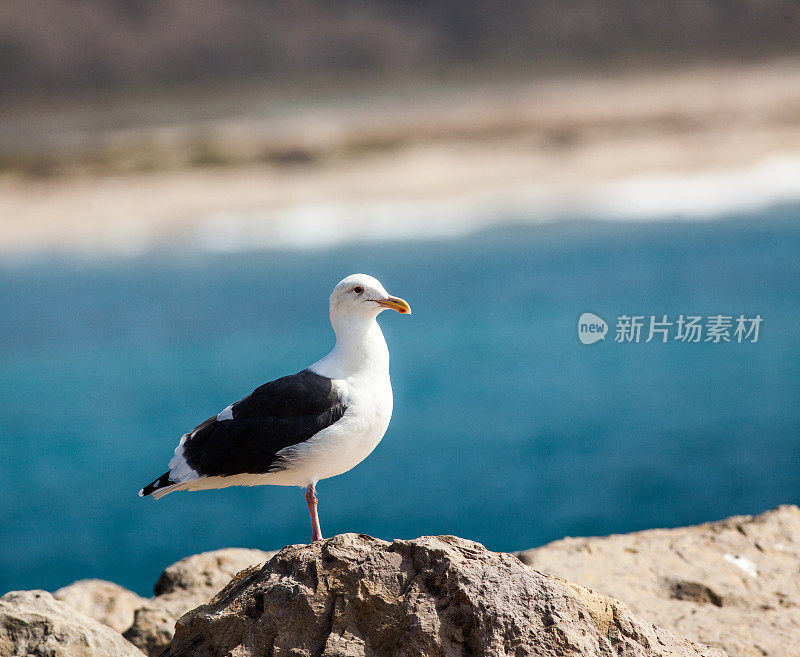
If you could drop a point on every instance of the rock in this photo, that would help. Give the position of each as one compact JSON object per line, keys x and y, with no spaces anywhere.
{"x":35,"y":623}
{"x":184,"y":585}
{"x":353,"y":595}
{"x":106,"y":602}
{"x":207,"y":570}
{"x":732,"y":584}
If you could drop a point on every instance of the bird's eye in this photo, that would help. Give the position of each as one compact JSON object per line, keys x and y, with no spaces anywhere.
{"x":358,"y":289}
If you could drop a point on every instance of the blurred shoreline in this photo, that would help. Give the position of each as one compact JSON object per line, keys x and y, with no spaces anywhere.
{"x":249,"y":168}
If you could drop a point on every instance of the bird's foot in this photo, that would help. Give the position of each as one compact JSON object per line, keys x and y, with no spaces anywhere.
{"x":311,"y":499}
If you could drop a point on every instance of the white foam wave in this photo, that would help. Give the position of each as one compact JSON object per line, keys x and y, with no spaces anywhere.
{"x":690,"y":196}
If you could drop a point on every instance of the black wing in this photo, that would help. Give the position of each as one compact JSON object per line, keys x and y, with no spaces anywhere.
{"x":284,"y":412}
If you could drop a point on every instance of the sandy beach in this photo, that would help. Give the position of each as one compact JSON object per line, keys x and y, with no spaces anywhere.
{"x":418,"y":160}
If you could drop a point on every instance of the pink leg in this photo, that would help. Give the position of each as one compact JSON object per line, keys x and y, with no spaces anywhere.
{"x":311,"y":500}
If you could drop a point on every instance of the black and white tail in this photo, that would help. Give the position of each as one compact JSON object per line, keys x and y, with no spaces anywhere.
{"x":162,"y":482}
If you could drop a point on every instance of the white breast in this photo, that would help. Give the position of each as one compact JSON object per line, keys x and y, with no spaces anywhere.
{"x":345,"y":443}
{"x":361,"y":373}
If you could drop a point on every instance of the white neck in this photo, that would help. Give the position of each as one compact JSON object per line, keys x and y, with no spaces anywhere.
{"x":360,"y":349}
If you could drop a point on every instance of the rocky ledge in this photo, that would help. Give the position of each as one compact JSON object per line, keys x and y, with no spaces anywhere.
{"x":731,"y":584}
{"x":355,"y":595}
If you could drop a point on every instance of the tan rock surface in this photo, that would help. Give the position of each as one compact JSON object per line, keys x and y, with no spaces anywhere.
{"x":34,"y":623}
{"x":106,"y":602}
{"x":184,"y":585}
{"x":734,"y":584}
{"x":356,"y":595}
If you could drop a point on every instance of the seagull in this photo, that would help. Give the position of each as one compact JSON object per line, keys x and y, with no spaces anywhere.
{"x":301,"y":428}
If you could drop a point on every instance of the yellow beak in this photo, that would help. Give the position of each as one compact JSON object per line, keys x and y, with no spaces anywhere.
{"x":396,"y":303}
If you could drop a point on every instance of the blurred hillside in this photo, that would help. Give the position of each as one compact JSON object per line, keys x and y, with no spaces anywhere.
{"x":126,"y":125}
{"x":84,"y":44}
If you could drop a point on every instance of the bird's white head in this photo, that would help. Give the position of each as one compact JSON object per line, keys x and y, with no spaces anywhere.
{"x":362,"y":296}
{"x":356,"y":302}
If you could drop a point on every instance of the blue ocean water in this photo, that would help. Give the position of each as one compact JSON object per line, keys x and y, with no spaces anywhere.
{"x":506,"y":430}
